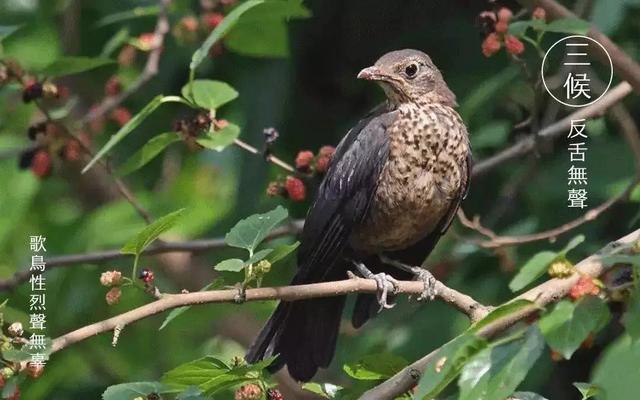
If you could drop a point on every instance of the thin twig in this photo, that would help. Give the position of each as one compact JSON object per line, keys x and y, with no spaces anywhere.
{"x":150,"y":69}
{"x":192,"y":246}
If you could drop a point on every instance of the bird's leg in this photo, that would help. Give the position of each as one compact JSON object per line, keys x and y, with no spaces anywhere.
{"x":384,"y":283}
{"x":421,"y":274}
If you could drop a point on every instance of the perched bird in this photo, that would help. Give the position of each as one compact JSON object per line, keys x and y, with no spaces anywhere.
{"x":393,"y":187}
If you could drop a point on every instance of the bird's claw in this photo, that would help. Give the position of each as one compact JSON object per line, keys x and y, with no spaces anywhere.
{"x":429,"y":291}
{"x":385,"y":283}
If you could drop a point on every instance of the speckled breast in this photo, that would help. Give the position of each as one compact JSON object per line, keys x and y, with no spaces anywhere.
{"x":421,"y":180}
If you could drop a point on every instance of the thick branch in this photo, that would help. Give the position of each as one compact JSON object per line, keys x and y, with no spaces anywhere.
{"x":542,"y":295}
{"x":464,"y":303}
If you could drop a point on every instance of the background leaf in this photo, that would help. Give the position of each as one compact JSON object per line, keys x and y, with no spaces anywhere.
{"x":74,"y":65}
{"x":151,"y":232}
{"x":375,"y":366}
{"x":129,"y":391}
{"x":232,"y":265}
{"x":148,"y":152}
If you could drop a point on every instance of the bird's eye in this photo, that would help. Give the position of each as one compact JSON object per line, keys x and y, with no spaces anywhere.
{"x":411,"y":70}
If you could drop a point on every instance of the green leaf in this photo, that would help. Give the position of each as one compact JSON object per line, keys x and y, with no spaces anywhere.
{"x":211,"y":375}
{"x":534,"y":268}
{"x":493,"y":134}
{"x":15,"y":355}
{"x":326,"y":390}
{"x":227,"y":23}
{"x":133,"y":124}
{"x":148,"y":152}
{"x":587,"y":390}
{"x":232,"y":265}
{"x":176,"y":312}
{"x":250,"y":232}
{"x":496,"y":372}
{"x":631,"y":318}
{"x":220,"y":140}
{"x":132,"y":390}
{"x":209,"y":94}
{"x":117,"y":40}
{"x":150,"y":233}
{"x":501,"y":312}
{"x":573,"y":243}
{"x":375,"y":366}
{"x":258,"y":256}
{"x":569,"y":324}
{"x":281,"y":252}
{"x":569,"y":25}
{"x":446,"y":365}
{"x":74,"y":65}
{"x":136,"y":12}
{"x":617,"y":371}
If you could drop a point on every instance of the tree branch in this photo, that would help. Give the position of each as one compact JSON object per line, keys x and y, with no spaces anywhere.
{"x":554,"y":130}
{"x":548,"y":292}
{"x":462,"y":302}
{"x":150,"y":69}
{"x":192,"y":246}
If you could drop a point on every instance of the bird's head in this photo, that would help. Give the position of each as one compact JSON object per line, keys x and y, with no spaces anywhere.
{"x":409,"y":76}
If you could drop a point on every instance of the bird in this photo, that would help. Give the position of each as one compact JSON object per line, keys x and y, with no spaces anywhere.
{"x":393,"y":187}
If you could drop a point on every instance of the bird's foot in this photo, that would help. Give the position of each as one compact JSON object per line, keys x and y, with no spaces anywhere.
{"x":384,"y":282}
{"x":429,"y":292}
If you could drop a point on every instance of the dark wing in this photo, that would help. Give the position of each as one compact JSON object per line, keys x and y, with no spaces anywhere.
{"x":344,"y":196}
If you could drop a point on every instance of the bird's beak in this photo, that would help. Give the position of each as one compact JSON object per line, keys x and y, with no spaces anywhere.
{"x":371,"y":74}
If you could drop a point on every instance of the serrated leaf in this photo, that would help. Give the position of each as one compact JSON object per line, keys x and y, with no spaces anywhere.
{"x":220,"y":140}
{"x":148,"y":152}
{"x":495,"y":372}
{"x":587,"y":390}
{"x":281,"y":252}
{"x":176,"y":312}
{"x":150,"y":233}
{"x":375,"y":366}
{"x":569,"y":324}
{"x":209,"y":94}
{"x":447,"y":364}
{"x":501,"y":312}
{"x":218,"y":33}
{"x":132,"y":390}
{"x":232,"y":265}
{"x":133,"y":123}
{"x":136,"y":12}
{"x":569,"y":25}
{"x":534,"y":268}
{"x":250,"y":232}
{"x":74,"y":65}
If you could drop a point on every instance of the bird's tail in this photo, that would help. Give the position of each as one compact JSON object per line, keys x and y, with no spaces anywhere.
{"x":302,"y":334}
